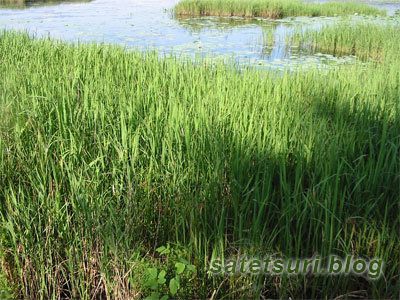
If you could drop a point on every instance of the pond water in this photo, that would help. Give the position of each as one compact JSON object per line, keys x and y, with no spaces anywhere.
{"x":149,"y":24}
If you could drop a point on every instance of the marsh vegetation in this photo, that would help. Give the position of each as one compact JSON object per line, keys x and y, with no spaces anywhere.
{"x":122,"y":171}
{"x":271,"y":8}
{"x":366,"y":40}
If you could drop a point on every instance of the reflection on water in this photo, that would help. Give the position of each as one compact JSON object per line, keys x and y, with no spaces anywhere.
{"x":149,"y":24}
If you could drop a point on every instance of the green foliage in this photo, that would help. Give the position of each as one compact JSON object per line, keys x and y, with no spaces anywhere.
{"x":106,"y":154}
{"x":6,"y":291}
{"x":272,"y":8}
{"x":367,"y":40}
{"x":182,"y":272}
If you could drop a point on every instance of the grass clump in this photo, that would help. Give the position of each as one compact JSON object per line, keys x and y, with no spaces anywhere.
{"x":271,"y":8}
{"x":107,"y":155}
{"x":365,"y":40}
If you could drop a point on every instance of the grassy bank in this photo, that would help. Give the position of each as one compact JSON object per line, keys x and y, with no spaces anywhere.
{"x":365,"y":40}
{"x":106,"y":155}
{"x":271,"y":8}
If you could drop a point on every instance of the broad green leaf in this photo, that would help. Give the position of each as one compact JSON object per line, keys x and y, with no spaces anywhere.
{"x":173,"y":286}
{"x":163,"y":250}
{"x":152,"y":283}
{"x":161,"y":280}
{"x":180,"y":267}
{"x":152,"y":273}
{"x":153,"y":296}
{"x":161,"y":277}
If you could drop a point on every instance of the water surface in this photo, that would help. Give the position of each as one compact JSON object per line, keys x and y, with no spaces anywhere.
{"x":149,"y":24}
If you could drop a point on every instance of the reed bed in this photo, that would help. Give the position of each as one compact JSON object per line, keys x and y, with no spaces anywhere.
{"x":271,"y":8}
{"x":15,"y":2}
{"x":365,"y":40}
{"x":106,"y":155}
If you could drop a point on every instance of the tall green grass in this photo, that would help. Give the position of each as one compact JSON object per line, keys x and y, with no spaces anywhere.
{"x":365,"y":40}
{"x":106,"y":155}
{"x":271,"y":8}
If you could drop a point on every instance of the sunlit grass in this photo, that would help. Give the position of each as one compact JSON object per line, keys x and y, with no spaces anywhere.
{"x":106,"y":155}
{"x":271,"y":8}
{"x":365,"y":40}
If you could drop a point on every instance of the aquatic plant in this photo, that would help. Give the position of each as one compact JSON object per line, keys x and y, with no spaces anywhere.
{"x":271,"y":8}
{"x":363,"y":39}
{"x":17,"y":2}
{"x":108,"y":154}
